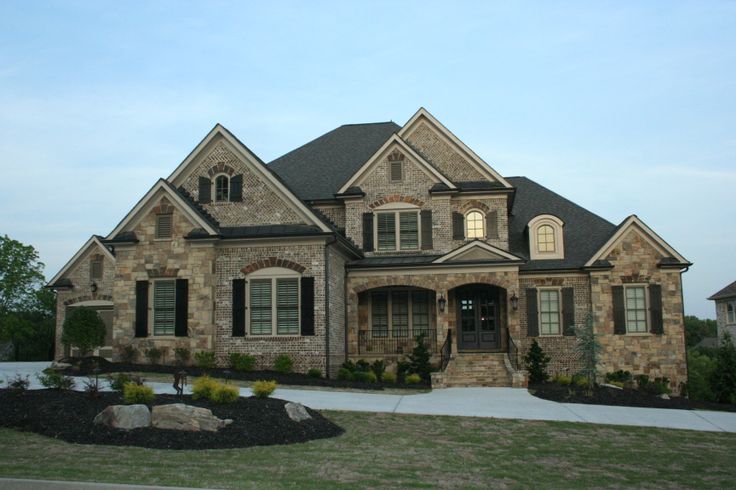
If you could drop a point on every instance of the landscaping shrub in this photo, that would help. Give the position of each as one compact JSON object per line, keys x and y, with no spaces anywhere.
{"x":722,"y":379}
{"x":388,"y":377}
{"x":153,"y":355}
{"x":263,"y":389}
{"x":581,"y":381}
{"x":588,"y":348}
{"x":117,"y":381}
{"x":372,"y":378}
{"x":378,"y":367}
{"x":349,"y":365}
{"x":413,"y":379}
{"x":242,"y":362}
{"x":84,"y":329}
{"x":362,"y":365}
{"x":205,"y":359}
{"x":283,"y":364}
{"x":562,"y":379}
{"x":419,"y":358}
{"x":700,"y":368}
{"x":203,"y":387}
{"x":344,"y":374}
{"x":134,"y":393}
{"x":182,"y":356}
{"x":362,"y":376}
{"x":314,"y":373}
{"x":55,"y":380}
{"x":620,"y":384}
{"x":225,"y":394}
{"x":402,"y":367}
{"x":659,"y":386}
{"x":536,"y":363}
{"x":18,"y":383}
{"x":128,"y":354}
{"x":619,"y":376}
{"x":92,"y":386}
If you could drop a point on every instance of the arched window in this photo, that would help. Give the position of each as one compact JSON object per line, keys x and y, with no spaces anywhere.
{"x":545,"y":239}
{"x":222,"y":186}
{"x":475,"y":225}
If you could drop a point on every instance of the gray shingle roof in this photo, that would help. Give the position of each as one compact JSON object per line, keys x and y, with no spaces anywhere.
{"x":727,"y":292}
{"x":319,"y":168}
{"x":259,"y":231}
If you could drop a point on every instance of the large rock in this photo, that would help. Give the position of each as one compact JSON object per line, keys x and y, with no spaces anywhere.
{"x":297,"y":412}
{"x":124,"y":417}
{"x":178,"y":416}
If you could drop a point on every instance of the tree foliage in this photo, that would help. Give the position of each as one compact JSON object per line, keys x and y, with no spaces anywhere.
{"x":536,"y":363}
{"x":588,"y":348}
{"x":697,"y":329}
{"x":723,"y":377}
{"x":21,"y":276}
{"x":84,"y":329}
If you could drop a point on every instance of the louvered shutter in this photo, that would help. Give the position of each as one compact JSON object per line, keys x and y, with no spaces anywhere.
{"x":367,"y":232}
{"x":619,"y":312}
{"x":182,"y":308}
{"x":205,"y":190}
{"x":236,"y":188}
{"x":238,"y":307}
{"x":458,"y":226}
{"x":655,"y":309}
{"x":492,"y":225}
{"x":532,"y":320}
{"x":141,"y":308}
{"x":426,"y":217}
{"x":307,"y":308}
{"x":568,"y":311}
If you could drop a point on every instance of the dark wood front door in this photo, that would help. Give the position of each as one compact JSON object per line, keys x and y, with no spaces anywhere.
{"x":477,"y":318}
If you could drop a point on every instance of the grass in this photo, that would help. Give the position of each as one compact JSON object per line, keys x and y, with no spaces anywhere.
{"x":391,"y":450}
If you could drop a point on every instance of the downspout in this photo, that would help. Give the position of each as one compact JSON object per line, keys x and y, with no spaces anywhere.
{"x":684,"y":335}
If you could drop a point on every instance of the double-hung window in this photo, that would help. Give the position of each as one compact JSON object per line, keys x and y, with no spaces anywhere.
{"x":397,"y":230}
{"x":274,"y":303}
{"x":222,"y":188}
{"x":164,"y":307}
{"x":731,"y":312}
{"x":636,"y":309}
{"x":400,"y":313}
{"x":549,"y":312}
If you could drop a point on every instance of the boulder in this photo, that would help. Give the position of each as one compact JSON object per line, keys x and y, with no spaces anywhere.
{"x":178,"y":416}
{"x":124,"y":417}
{"x":606,"y":385}
{"x":60,"y":366}
{"x":297,"y":412}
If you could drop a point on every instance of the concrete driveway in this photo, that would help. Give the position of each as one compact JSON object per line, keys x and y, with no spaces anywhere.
{"x":506,"y":403}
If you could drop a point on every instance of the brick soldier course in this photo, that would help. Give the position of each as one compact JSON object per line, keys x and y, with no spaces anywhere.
{"x":290,"y":258}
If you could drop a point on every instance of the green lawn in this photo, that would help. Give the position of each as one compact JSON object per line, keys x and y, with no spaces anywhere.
{"x":388,"y":450}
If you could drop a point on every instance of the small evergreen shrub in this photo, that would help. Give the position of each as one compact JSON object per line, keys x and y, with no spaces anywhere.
{"x":402,"y":367}
{"x":134,"y":393}
{"x":283,"y":364}
{"x":224,"y":394}
{"x":349,"y":365}
{"x":388,"y":377}
{"x":362,"y":376}
{"x":536,"y":363}
{"x":154,"y":355}
{"x":314,"y":373}
{"x":203,"y":387}
{"x":18,"y":383}
{"x":620,"y":375}
{"x":413,"y":379}
{"x":205,"y":359}
{"x":345,"y":374}
{"x":562,"y":379}
{"x":372,"y":378}
{"x":117,"y":381}
{"x":362,"y":365}
{"x":182,"y":356}
{"x":419,"y":358}
{"x":242,"y":362}
{"x":128,"y":354}
{"x":263,"y":389}
{"x":378,"y":367}
{"x":55,"y":380}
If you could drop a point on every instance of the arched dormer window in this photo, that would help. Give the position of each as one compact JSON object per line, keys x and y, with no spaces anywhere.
{"x":546,"y":237}
{"x":222,"y":188}
{"x":475,"y":224}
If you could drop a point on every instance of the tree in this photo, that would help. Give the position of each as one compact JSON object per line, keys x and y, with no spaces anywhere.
{"x":21,"y":276}
{"x":419,"y":358}
{"x":588,"y":347}
{"x":84,"y":329}
{"x":697,"y":329}
{"x":536,"y":363}
{"x":723,"y":377}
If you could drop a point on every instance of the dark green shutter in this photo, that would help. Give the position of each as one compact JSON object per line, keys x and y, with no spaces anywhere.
{"x":182,"y":308}
{"x":238,"y":307}
{"x":458,"y":226}
{"x":568,"y":311}
{"x":205,"y":190}
{"x":492,"y":225}
{"x":619,"y":312}
{"x":532,"y":320}
{"x":141,"y":308}
{"x":307,"y":300}
{"x":426,"y":217}
{"x":368,"y":232}
{"x":236,"y":188}
{"x":655,"y":309}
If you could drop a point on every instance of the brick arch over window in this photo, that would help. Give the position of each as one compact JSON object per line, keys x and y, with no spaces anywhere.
{"x":220,"y":168}
{"x":474,"y":204}
{"x":396,"y":198}
{"x":164,"y":207}
{"x":88,"y":297}
{"x":272,"y":262}
{"x":438,"y":283}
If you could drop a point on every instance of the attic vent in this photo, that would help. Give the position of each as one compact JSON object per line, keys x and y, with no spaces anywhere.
{"x":163,"y":225}
{"x":95,"y":270}
{"x":397,"y":171}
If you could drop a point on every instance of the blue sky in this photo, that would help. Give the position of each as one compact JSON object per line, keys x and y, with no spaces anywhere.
{"x":623,"y":107}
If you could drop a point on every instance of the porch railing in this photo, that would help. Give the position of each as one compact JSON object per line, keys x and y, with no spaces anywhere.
{"x":371,"y":344}
{"x":446,"y":350}
{"x":513,"y":353}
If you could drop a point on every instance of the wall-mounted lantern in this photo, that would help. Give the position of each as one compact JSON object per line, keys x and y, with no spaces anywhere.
{"x":514,"y":301}
{"x":93,"y":287}
{"x":442,"y":302}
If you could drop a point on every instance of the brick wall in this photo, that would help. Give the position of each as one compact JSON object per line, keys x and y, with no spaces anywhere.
{"x":336,"y":306}
{"x":722,"y":319}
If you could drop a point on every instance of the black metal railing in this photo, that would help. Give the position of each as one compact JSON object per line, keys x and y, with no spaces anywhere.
{"x":368,"y":343}
{"x":446,"y":350}
{"x":513,"y":353}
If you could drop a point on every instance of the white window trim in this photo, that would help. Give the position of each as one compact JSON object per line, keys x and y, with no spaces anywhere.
{"x":647,"y":317}
{"x":273,"y":273}
{"x":557,"y":225}
{"x":389,"y":312}
{"x":733,"y":305}
{"x":483,"y":221}
{"x":559,"y":312}
{"x":396,"y":209}
{"x":151,"y":307}
{"x":214,"y":188}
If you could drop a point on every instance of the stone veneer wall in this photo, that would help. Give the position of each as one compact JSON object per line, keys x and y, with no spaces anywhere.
{"x":174,"y":258}
{"x":306,"y":352}
{"x":259,"y":199}
{"x":635,"y":261}
{"x":336,"y":308}
{"x":78,"y":274}
{"x":722,"y":319}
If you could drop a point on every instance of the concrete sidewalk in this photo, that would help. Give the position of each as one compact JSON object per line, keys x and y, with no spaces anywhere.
{"x":506,"y":403}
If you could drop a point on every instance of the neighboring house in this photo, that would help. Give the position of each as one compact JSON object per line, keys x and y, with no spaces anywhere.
{"x":726,"y":310}
{"x":353,"y":244}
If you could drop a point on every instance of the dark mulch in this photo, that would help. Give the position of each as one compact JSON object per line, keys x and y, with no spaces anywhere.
{"x":68,"y":415}
{"x":603,"y":395}
{"x":85,"y":366}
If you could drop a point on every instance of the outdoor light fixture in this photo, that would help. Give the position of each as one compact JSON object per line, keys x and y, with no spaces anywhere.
{"x":514,"y":301}
{"x":93,"y":287}
{"x":441,"y":303}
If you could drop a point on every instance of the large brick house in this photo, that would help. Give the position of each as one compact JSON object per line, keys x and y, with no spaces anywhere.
{"x":358,"y":241}
{"x":726,"y":310}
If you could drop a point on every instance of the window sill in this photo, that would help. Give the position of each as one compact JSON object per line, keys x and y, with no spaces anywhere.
{"x":163,"y":239}
{"x":271,"y":337}
{"x":639,"y":334}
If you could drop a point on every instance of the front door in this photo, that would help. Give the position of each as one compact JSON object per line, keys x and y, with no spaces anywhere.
{"x":477,"y":318}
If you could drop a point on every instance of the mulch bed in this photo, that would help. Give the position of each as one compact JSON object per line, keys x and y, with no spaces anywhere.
{"x":68,"y":415}
{"x":86,"y":365}
{"x":603,"y":395}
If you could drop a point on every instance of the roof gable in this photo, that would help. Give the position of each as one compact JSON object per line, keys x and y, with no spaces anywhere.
{"x":727,"y":292}
{"x":93,"y":242}
{"x":477,"y":250}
